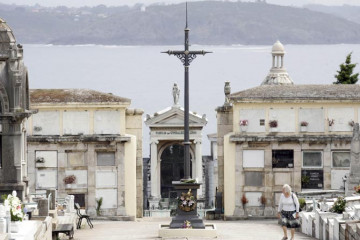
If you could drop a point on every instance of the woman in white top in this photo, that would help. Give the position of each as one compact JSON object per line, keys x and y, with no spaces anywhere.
{"x":288,"y":211}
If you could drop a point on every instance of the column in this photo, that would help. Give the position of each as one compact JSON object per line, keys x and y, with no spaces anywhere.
{"x":198,"y":165}
{"x":155,"y":179}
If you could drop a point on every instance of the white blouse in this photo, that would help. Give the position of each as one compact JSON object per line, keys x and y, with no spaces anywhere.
{"x":288,"y":204}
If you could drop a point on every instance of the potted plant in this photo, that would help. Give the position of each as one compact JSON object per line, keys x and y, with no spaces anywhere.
{"x":68,"y":180}
{"x":243,"y":125}
{"x":331,"y":123}
{"x":273,"y":125}
{"x":357,"y":189}
{"x":339,"y":205}
{"x":303,"y":126}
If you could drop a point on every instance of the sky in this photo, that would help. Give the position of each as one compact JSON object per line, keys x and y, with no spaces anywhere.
{"x":79,"y":3}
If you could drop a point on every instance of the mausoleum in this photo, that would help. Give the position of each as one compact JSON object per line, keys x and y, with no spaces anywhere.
{"x":88,"y":144}
{"x":281,"y":133}
{"x":167,"y":150}
{"x":14,"y":108}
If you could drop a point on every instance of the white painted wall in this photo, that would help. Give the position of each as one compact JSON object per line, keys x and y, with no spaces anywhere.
{"x":254,"y":199}
{"x":76,"y":122}
{"x":285,"y":118}
{"x":106,"y":179}
{"x":336,"y":178}
{"x":81,"y":178}
{"x":253,"y":158}
{"x":46,"y":123}
{"x":315,"y":117}
{"x":50,"y":158}
{"x":253,"y":116}
{"x":342,"y":117}
{"x":107,"y":122}
{"x":46,"y":178}
{"x":109,"y":197}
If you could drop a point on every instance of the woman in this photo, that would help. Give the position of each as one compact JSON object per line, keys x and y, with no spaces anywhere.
{"x":288,"y":211}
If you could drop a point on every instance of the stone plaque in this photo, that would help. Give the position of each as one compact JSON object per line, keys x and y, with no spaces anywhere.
{"x":109,"y":197}
{"x":106,"y":179}
{"x":337,"y":178}
{"x":81,"y":118}
{"x":312,"y":179}
{"x":282,"y":178}
{"x":254,"y":199}
{"x":255,"y":179}
{"x":253,"y":158}
{"x":81,"y":178}
{"x":46,"y":159}
{"x":107,"y":122}
{"x":341,"y":159}
{"x":46,"y":178}
{"x":76,"y":158}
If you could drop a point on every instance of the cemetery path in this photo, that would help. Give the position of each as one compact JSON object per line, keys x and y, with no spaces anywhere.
{"x":147,"y":228}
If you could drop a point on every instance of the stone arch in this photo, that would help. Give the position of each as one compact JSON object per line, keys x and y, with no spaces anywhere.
{"x":169,"y":143}
{"x":171,"y":166}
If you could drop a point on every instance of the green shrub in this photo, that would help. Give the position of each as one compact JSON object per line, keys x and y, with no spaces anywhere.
{"x":99,"y":203}
{"x":339,"y":205}
{"x":302,"y":203}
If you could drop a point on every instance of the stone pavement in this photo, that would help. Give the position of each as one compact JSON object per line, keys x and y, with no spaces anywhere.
{"x":147,"y":228}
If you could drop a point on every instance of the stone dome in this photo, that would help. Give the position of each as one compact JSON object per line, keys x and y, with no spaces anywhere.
{"x":278,"y":48}
{"x":7,"y":39}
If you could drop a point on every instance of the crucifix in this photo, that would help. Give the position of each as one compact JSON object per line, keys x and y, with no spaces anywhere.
{"x":186,"y":57}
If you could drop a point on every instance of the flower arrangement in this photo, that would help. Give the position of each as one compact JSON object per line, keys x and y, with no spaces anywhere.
{"x":304,"y":124}
{"x":16,"y":210}
{"x":244,"y":122}
{"x":187,"y":201}
{"x":357,"y":189}
{"x":351,"y":123}
{"x":262,"y":200}
{"x":244,"y":200}
{"x":339,"y":205}
{"x":331,"y":122}
{"x":273,"y":123}
{"x":187,"y":224}
{"x":70,"y":179}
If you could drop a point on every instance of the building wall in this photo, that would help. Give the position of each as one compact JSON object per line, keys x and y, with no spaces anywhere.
{"x":250,"y":155}
{"x":98,"y":146}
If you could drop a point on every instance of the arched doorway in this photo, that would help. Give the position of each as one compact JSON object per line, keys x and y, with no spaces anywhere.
{"x":172,"y":168}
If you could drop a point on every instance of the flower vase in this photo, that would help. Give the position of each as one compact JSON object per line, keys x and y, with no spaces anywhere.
{"x":330,"y":128}
{"x":243,"y":128}
{"x":14,"y":226}
{"x":273,"y":129}
{"x":67,"y":186}
{"x":303,"y":128}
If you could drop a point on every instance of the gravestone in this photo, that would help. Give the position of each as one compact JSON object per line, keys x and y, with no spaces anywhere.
{"x":50,"y":193}
{"x":43,"y":205}
{"x":354,"y":176}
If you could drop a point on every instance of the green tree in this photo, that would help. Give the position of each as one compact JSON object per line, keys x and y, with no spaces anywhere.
{"x":345,"y":74}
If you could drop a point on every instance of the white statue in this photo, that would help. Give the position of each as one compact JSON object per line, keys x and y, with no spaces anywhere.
{"x":176,"y":94}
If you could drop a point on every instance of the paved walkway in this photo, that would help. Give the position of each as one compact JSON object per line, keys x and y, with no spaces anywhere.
{"x":147,"y":228}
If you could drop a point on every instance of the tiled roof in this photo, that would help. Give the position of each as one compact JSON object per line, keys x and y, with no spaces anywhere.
{"x":299,"y":92}
{"x":73,"y":96}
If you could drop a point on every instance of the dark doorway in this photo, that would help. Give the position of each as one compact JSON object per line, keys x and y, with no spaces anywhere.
{"x":172,"y":168}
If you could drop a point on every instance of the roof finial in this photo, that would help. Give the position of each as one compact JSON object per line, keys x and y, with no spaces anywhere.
{"x":186,"y":17}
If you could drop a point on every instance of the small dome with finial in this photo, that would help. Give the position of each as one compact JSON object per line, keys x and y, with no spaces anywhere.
{"x":278,"y":48}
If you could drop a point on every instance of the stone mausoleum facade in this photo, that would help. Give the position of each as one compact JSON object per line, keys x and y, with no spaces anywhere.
{"x":14,"y":108}
{"x":93,"y":136}
{"x":281,"y":133}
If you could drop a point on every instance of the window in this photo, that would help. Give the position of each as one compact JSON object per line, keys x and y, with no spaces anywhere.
{"x":341,"y":159}
{"x":283,"y":158}
{"x":105,"y":158}
{"x":312,"y":160}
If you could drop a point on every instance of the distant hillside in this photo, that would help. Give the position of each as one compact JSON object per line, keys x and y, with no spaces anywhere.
{"x":351,"y":13}
{"x":210,"y":23}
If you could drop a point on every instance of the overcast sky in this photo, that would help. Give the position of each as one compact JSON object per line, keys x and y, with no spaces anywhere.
{"x":79,"y":3}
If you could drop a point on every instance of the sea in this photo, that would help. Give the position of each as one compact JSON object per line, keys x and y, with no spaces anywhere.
{"x":146,"y":75}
